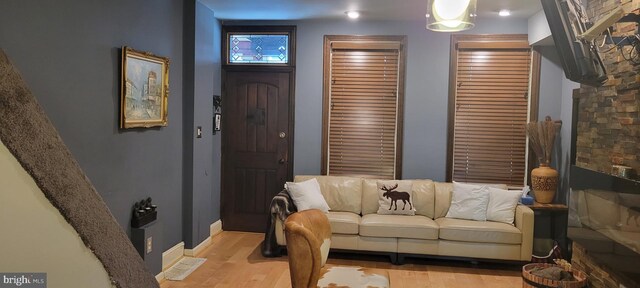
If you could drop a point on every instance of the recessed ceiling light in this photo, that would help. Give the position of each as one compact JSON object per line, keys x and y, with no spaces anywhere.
{"x":353,"y":14}
{"x":504,"y":12}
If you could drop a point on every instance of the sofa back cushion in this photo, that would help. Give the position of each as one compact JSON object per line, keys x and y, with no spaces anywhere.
{"x":341,"y":193}
{"x":369,"y":196}
{"x":443,"y":192}
{"x":423,"y":193}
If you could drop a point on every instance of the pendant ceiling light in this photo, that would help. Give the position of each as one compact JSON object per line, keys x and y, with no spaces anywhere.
{"x":451,"y":15}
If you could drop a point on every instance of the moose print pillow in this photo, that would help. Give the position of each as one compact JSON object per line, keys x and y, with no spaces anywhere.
{"x":394,"y":198}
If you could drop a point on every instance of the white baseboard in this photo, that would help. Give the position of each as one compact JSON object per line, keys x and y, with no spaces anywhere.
{"x":214,"y":229}
{"x":160,"y":277}
{"x":193,"y":252}
{"x":172,"y":255}
{"x":175,"y":253}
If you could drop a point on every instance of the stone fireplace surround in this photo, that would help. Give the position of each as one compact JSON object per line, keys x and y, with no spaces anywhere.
{"x":604,"y":215}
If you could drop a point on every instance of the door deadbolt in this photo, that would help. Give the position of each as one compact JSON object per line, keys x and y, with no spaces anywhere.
{"x":282,"y":135}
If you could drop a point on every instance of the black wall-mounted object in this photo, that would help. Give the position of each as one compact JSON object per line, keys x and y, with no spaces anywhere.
{"x":217,"y":103}
{"x":144,"y":212}
{"x":147,"y":241}
{"x":580,"y":59}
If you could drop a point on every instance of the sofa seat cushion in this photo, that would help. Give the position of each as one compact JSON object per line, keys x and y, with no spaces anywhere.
{"x":344,"y":222}
{"x":399,"y":226}
{"x":478,"y":231}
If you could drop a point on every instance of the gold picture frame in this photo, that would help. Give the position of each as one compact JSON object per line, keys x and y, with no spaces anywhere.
{"x":143,"y":96}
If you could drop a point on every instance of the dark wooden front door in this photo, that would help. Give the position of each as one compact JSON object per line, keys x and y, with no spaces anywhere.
{"x":256,"y":147}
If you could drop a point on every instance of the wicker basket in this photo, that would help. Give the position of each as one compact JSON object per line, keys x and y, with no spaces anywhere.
{"x":533,"y":281}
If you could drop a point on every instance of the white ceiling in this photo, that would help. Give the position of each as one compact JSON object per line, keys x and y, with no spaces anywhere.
{"x":369,"y":9}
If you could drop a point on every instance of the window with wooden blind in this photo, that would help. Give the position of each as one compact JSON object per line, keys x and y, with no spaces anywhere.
{"x":489,"y":104}
{"x":363,"y":100}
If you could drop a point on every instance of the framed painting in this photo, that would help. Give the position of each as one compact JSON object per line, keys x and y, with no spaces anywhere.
{"x":145,"y":89}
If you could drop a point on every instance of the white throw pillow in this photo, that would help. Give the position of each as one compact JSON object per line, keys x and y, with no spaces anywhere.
{"x":502,"y":205}
{"x":469,"y":202}
{"x":394,"y":198}
{"x":306,"y":195}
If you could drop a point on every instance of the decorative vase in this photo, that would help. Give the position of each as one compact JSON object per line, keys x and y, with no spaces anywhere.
{"x":544,"y":181}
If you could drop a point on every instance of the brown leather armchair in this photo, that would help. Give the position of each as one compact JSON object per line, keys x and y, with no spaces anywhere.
{"x":308,"y":235}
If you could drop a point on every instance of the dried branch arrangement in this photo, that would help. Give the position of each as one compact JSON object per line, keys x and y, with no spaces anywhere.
{"x":542,"y":136}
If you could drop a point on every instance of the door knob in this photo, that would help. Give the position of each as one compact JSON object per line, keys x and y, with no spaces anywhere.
{"x":282,"y":135}
{"x":281,"y":161}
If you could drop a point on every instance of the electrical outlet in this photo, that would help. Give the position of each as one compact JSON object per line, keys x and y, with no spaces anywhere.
{"x":149,"y":245}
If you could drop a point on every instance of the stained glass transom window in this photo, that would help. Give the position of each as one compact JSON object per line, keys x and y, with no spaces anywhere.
{"x":258,"y":49}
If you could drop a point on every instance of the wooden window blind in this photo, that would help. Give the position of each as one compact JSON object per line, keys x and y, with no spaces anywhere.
{"x":490,"y":110}
{"x":364,"y":98}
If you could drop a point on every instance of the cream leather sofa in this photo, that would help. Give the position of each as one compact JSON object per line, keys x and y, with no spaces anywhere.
{"x":356,"y":225}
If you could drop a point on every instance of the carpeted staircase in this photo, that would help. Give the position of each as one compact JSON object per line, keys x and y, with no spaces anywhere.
{"x":34,"y":141}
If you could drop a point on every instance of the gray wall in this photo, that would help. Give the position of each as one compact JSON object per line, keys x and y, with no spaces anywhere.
{"x":217,"y":144}
{"x":556,"y":101}
{"x":202,"y":75}
{"x":427,"y":79}
{"x":564,"y":156}
{"x":551,"y":75}
{"x":68,"y":52}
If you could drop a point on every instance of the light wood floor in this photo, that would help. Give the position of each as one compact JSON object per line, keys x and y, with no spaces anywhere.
{"x":234,"y":260}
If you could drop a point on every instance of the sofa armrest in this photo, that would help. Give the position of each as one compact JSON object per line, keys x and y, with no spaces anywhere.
{"x":524,"y":222}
